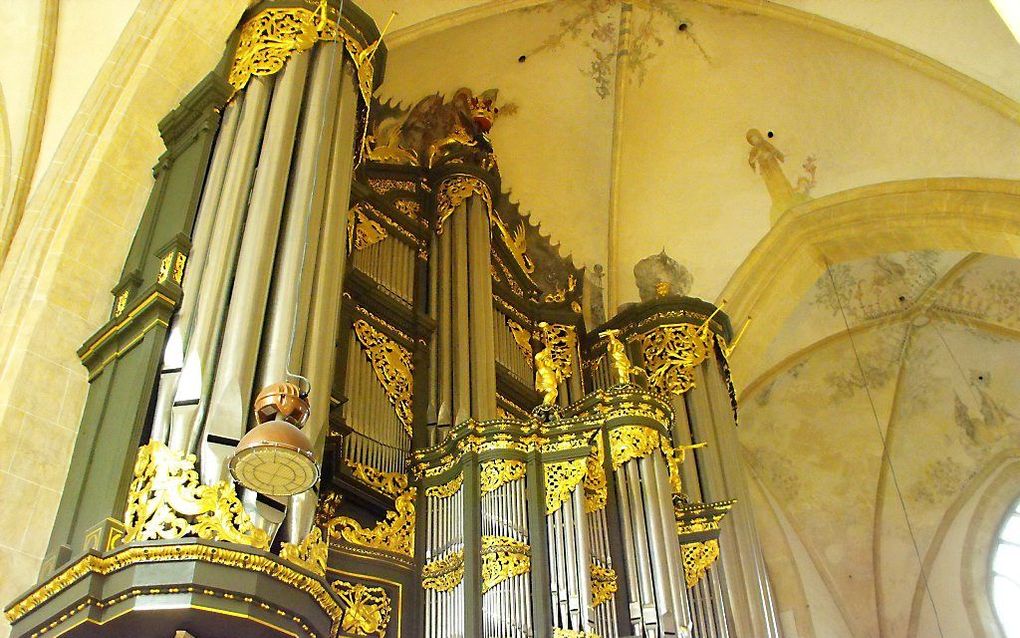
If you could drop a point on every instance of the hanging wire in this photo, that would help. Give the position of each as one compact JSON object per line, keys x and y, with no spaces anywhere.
{"x":288,"y":373}
{"x":886,"y":453}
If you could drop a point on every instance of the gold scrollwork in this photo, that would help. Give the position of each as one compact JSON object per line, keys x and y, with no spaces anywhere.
{"x":272,"y":36}
{"x":443,"y":574}
{"x":496,"y":473}
{"x":167,"y":501}
{"x":327,"y":508}
{"x":456,"y":189}
{"x":595,"y":483}
{"x":603,"y":584}
{"x":120,"y":304}
{"x":367,"y":611}
{"x":362,"y":231}
{"x":561,"y":477}
{"x":671,"y":354}
{"x":446,"y":490}
{"x":392,"y":484}
{"x":394,"y":534}
{"x":392,"y":365}
{"x":632,"y":442}
{"x":697,"y":558}
{"x":562,"y":342}
{"x":311,"y":553}
{"x":522,"y":338}
{"x":503,"y":558}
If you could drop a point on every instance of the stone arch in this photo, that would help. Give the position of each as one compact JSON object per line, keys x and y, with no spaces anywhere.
{"x":961,"y":214}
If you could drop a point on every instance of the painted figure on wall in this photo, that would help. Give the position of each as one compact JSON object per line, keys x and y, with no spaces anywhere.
{"x":765,"y":158}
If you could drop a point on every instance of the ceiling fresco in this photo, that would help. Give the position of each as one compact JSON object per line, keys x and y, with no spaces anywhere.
{"x":901,"y":370}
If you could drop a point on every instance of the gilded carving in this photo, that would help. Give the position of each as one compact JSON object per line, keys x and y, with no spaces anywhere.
{"x":311,"y":553}
{"x":446,"y":490}
{"x":394,"y":534}
{"x":522,"y":338}
{"x":367,"y":610}
{"x":697,"y":558}
{"x":444,"y":574}
{"x":179,"y":263}
{"x":453,"y":191}
{"x":494,"y":474}
{"x":631,"y":442}
{"x":618,"y":356}
{"x":363,"y":231}
{"x":561,"y":477}
{"x":503,"y":558}
{"x":562,"y":342}
{"x":547,"y":376}
{"x":603,"y":584}
{"x":327,"y":509}
{"x":383,"y":186}
{"x":675,"y":457}
{"x":272,"y":36}
{"x":392,"y":365}
{"x":167,"y":501}
{"x":573,"y":633}
{"x":120,"y":304}
{"x":671,"y":353}
{"x":595,"y":483}
{"x":392,"y":484}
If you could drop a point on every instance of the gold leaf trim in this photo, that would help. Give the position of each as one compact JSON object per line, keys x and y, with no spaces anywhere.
{"x":128,"y":556}
{"x":363,"y":231}
{"x":671,"y":353}
{"x":603,"y":584}
{"x":595,"y":483}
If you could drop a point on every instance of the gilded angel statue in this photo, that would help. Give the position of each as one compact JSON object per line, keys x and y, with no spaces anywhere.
{"x":547,"y":377}
{"x":618,"y":356}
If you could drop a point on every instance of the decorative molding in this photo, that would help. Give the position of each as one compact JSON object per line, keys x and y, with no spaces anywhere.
{"x":392,"y":484}
{"x":311,"y":553}
{"x":561,"y":478}
{"x":446,"y":490}
{"x":444,"y":574}
{"x":632,"y":442}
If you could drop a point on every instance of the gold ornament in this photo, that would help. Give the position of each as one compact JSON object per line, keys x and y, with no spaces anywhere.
{"x":367,"y":611}
{"x":595,"y":483}
{"x":120,"y":304}
{"x":446,"y":490}
{"x":618,"y":356}
{"x":444,"y":574}
{"x":547,"y":377}
{"x":632,"y":442}
{"x":362,"y":231}
{"x":671,"y":353}
{"x":272,"y":36}
{"x":167,"y":501}
{"x":327,"y":509}
{"x":394,"y":534}
{"x":392,"y":365}
{"x":698,"y":557}
{"x":603,"y":584}
{"x":561,"y":478}
{"x":503,"y":558}
{"x":311,"y":553}
{"x":675,"y":457}
{"x":573,"y":633}
{"x":561,"y":340}
{"x":694,"y":521}
{"x":522,"y":338}
{"x":494,"y":474}
{"x":392,"y":484}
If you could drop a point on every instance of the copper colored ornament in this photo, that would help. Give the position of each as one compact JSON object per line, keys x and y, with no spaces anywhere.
{"x":283,"y":401}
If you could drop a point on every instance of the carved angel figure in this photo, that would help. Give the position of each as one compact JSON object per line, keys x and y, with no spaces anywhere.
{"x":547,"y":377}
{"x":618,"y":356}
{"x":766,"y":159}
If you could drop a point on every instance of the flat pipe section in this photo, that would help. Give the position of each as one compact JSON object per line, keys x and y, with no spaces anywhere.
{"x":235,"y":375}
{"x":443,"y":266}
{"x":173,"y":357}
{"x":282,"y":343}
{"x":483,"y":355}
{"x":191,"y":398}
{"x":462,"y":380}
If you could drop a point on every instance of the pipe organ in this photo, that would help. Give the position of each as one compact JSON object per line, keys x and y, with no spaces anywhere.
{"x":492,"y":465}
